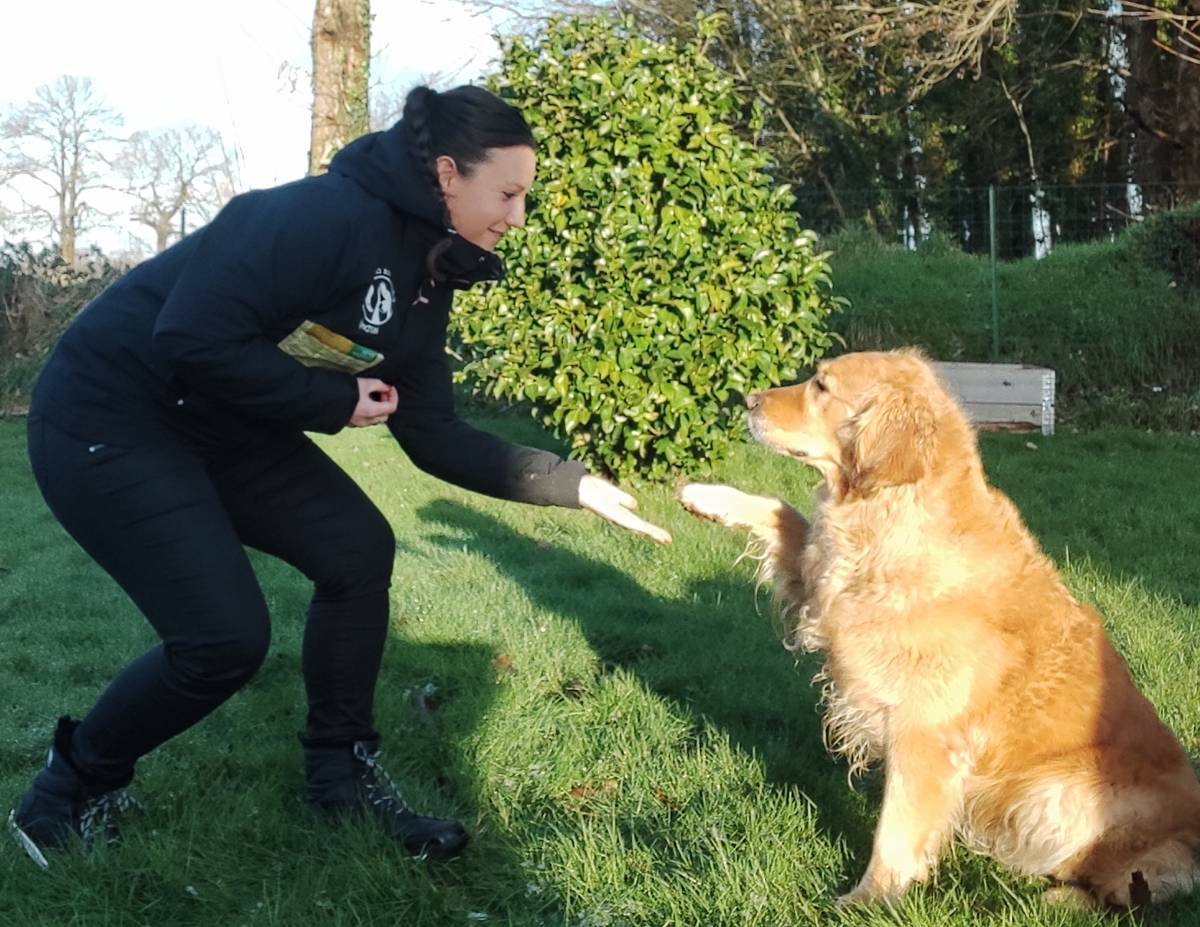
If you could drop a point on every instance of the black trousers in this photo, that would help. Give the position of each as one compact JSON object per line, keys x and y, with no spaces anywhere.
{"x":168,"y":520}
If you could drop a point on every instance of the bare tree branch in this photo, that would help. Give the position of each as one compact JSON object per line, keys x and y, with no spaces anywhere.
{"x":58,"y":141}
{"x":171,"y":171}
{"x":953,"y":33}
{"x":1019,"y":109}
{"x":1184,"y":25}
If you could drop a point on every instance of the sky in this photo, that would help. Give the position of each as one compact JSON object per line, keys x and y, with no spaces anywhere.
{"x":239,"y":66}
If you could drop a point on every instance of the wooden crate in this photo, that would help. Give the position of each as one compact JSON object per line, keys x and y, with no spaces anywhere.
{"x":1002,"y":395}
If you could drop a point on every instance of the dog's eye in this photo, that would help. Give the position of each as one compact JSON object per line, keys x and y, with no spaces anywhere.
{"x":820,"y":385}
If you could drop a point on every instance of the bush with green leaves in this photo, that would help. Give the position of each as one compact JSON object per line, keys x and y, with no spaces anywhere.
{"x":662,"y":273}
{"x":39,"y":296}
{"x":1170,"y":241}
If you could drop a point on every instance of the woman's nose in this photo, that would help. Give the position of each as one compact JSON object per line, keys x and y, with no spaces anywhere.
{"x":516,"y":215}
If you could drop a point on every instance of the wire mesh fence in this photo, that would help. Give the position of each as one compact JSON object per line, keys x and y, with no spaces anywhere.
{"x":1028,"y":220}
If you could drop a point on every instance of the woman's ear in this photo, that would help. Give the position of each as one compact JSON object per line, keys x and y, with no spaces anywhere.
{"x":447,"y":170}
{"x":890,"y":442}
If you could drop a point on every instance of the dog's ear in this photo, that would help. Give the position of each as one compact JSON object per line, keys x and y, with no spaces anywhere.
{"x":889,"y":442}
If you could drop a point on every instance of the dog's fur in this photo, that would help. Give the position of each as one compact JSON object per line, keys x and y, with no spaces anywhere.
{"x":953,"y":651}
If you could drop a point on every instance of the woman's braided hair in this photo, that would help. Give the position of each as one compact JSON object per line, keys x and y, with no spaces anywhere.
{"x":462,"y":124}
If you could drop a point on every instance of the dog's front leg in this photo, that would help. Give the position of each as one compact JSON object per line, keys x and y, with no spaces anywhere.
{"x":772,"y":521}
{"x":922,"y":797}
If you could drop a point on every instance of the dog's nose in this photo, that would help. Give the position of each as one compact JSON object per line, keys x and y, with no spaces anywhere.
{"x":753,"y":400}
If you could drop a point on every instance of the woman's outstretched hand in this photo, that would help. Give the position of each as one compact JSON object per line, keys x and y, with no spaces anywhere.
{"x":615,"y":505}
{"x":376,"y":401}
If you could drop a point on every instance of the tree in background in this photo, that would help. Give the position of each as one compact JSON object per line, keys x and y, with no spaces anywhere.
{"x":341,"y":55}
{"x":169,"y":171}
{"x":61,"y":142}
{"x":883,"y":112}
{"x":1163,"y":40}
{"x":1098,"y":92}
{"x":871,"y":96}
{"x":827,"y":102}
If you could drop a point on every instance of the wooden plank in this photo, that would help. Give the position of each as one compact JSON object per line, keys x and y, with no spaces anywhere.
{"x":981,"y":374}
{"x":1021,"y":427}
{"x":1003,"y":412}
{"x":1028,"y":391}
{"x":990,"y":370}
{"x":977,"y":382}
{"x":1002,"y":394}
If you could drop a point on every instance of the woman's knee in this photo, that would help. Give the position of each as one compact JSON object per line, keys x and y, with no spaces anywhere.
{"x":362,"y":565}
{"x":222,"y":663}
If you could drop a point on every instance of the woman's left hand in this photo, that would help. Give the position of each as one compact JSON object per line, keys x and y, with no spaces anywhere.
{"x":615,"y":505}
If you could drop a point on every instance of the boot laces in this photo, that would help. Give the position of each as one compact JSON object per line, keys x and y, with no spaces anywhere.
{"x":382,"y":790}
{"x":99,"y":814}
{"x":382,"y":793}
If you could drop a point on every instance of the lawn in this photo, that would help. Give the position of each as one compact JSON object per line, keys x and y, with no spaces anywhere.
{"x":627,"y":742}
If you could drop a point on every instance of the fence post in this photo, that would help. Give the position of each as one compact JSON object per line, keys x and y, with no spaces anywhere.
{"x":992,"y":243}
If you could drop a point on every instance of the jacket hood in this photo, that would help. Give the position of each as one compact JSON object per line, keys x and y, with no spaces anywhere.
{"x":381,"y":163}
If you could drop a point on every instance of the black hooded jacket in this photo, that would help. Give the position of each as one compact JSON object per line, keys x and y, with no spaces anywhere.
{"x":259,"y":321}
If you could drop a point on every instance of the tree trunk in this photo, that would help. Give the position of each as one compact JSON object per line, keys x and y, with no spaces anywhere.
{"x":1186,"y":78}
{"x":66,"y":229}
{"x":1164,"y":106}
{"x":341,"y":51}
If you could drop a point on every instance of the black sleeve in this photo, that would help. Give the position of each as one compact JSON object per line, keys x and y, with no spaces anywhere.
{"x":445,"y":446}
{"x":261,"y":260}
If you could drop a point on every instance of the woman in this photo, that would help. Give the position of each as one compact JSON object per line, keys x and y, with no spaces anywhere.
{"x":167,"y":431}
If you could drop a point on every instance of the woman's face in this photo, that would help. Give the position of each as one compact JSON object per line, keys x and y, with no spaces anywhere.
{"x":486,"y":203}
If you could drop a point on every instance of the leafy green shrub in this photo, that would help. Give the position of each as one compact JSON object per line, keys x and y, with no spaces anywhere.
{"x":662,"y":272}
{"x":857,"y":237}
{"x":938,"y":243}
{"x":39,"y":295}
{"x":1170,"y":241}
{"x":1153,"y":408}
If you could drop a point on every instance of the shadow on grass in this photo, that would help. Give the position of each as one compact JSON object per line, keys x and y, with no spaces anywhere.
{"x":430,"y":699}
{"x":225,"y":818}
{"x":707,"y":652}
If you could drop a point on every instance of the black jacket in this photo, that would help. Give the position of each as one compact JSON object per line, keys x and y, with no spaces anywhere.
{"x":259,"y":321}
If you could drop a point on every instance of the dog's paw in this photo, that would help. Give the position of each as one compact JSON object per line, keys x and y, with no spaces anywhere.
{"x":863,"y":895}
{"x":877,"y":888}
{"x":1070,"y":897}
{"x":858,"y":896}
{"x":712,"y":501}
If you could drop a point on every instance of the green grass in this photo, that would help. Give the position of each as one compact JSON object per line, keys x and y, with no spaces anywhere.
{"x":624,"y":737}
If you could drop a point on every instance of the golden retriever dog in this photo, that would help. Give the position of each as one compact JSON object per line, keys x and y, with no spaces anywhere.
{"x":953,"y":651}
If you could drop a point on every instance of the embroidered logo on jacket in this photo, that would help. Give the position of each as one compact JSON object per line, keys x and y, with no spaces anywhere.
{"x":379,"y":302}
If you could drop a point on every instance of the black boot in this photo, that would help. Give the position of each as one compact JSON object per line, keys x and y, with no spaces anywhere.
{"x":343,"y":778}
{"x":63,"y":804}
